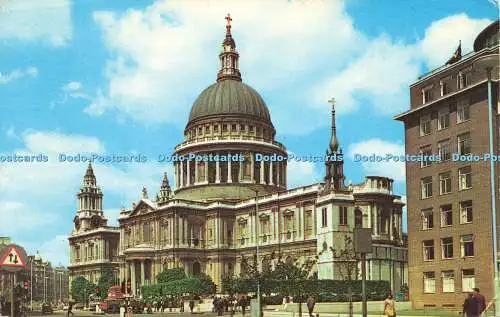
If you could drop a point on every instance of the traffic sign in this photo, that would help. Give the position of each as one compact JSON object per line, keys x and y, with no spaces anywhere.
{"x":13,"y":258}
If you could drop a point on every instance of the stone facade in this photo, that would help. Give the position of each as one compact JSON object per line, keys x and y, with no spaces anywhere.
{"x":222,"y":209}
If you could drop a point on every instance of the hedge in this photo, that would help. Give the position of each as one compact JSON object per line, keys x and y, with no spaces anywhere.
{"x":191,"y":285}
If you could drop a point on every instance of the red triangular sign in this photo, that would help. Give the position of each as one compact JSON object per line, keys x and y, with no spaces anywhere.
{"x":12,"y":258}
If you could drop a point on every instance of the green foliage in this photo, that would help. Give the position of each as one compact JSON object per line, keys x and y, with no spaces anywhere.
{"x":170,"y":275}
{"x":151,"y":292}
{"x":106,"y":280}
{"x":347,"y":259}
{"x":338,"y":290}
{"x":192,"y":285}
{"x":81,"y":289}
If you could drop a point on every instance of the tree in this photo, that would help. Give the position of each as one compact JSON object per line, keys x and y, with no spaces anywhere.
{"x":171,"y":275}
{"x":106,"y":280}
{"x":346,"y":259}
{"x":81,"y":289}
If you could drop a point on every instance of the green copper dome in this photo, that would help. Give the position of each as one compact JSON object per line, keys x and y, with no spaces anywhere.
{"x":229,"y":97}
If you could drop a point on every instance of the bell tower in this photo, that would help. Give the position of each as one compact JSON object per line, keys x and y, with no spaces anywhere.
{"x":229,"y":57}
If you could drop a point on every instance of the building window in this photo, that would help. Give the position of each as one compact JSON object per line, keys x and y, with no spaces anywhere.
{"x":463,"y":112}
{"x":448,"y":281}
{"x":445,"y":183}
{"x":426,"y":185}
{"x":426,"y":95}
{"x":427,"y":219}
{"x":428,"y":246}
{"x":429,"y":282}
{"x":343,"y":215}
{"x":252,"y":130}
{"x":426,"y":152}
{"x":425,"y":125}
{"x":467,"y":245}
{"x":444,"y":150}
{"x":146,"y":232}
{"x":447,"y":248}
{"x":242,"y":128}
{"x":468,"y":280}
{"x":200,"y":131}
{"x":446,"y":215}
{"x":324,"y":219}
{"x":216,"y":128}
{"x":464,"y":178}
{"x":444,"y":88}
{"x":464,"y":79}
{"x":466,"y":211}
{"x":443,"y":118}
{"x":224,"y":127}
{"x":207,"y":129}
{"x":463,"y":142}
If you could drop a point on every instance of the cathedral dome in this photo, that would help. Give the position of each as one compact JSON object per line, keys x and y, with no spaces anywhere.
{"x":229,"y":97}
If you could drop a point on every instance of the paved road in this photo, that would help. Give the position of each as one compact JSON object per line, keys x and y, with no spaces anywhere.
{"x":81,"y":313}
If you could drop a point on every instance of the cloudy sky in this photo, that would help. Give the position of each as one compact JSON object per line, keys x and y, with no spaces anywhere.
{"x":120,"y":77}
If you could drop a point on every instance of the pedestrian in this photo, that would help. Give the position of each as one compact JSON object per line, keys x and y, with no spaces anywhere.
{"x":70,"y":309}
{"x":243,"y":305}
{"x":481,"y":301}
{"x":310,"y":305}
{"x":191,"y":305}
{"x":470,"y":306}
{"x":389,"y":306}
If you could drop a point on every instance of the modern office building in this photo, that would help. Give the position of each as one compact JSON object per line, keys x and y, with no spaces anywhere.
{"x":450,"y":202}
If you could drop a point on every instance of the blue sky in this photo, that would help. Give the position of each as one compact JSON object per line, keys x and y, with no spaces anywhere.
{"x":120,"y":77}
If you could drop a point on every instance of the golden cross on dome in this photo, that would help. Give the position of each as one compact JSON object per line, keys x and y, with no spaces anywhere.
{"x":228,"y":19}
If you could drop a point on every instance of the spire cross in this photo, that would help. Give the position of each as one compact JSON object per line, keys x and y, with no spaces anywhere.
{"x":228,"y":19}
{"x":332,"y":101}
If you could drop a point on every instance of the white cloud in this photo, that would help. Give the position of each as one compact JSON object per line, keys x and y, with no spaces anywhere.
{"x":72,"y":86}
{"x":49,"y":21}
{"x":32,"y":192}
{"x":11,"y":133}
{"x":301,"y":173}
{"x":17,"y":74}
{"x":442,"y":37}
{"x":161,"y":60}
{"x":378,"y":147}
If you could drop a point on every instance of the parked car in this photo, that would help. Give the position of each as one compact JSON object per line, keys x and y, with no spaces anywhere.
{"x":47,"y":309}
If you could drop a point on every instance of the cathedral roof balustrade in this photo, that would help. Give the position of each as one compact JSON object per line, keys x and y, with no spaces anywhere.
{"x":229,"y":139}
{"x":110,"y":229}
{"x":336,"y":196}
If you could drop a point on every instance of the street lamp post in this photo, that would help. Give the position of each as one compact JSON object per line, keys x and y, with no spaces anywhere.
{"x":31,"y":283}
{"x":488,"y":63}
{"x":257,"y":255}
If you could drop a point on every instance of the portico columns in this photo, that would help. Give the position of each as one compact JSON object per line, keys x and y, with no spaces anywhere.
{"x":182,"y":175}
{"x":252,"y":163}
{"x":206,"y":172}
{"x":143,"y":277}
{"x":133,"y":280}
{"x":196,"y":172}
{"x":271,"y":173}
{"x":391,"y":223}
{"x":188,"y":181}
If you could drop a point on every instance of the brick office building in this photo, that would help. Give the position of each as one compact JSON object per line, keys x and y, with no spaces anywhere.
{"x":449,"y":202}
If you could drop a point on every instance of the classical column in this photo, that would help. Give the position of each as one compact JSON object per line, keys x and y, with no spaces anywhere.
{"x":188,"y":176}
{"x":278,"y":172}
{"x":252,"y":172}
{"x":376,"y":219}
{"x":217,"y":171}
{"x":250,"y":228}
{"x":182,"y":174}
{"x":196,"y":173}
{"x":262,"y":181}
{"x":400,"y":229}
{"x":206,"y":172}
{"x":229,"y":176}
{"x":272,"y":224}
{"x":391,"y":223}
{"x":133,"y":280}
{"x":143,"y":277}
{"x":180,"y":235}
{"x":271,"y":182}
{"x":185,"y":226}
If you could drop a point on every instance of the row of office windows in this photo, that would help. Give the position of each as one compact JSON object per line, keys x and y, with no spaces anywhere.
{"x":445,"y":182}
{"x":444,"y":149}
{"x":445,"y":86}
{"x":447,"y":249}
{"x":443,"y":120}
{"x":448,"y":281}
{"x":446,"y":215}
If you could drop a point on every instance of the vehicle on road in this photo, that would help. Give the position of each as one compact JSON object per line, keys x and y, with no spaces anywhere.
{"x":47,"y":309}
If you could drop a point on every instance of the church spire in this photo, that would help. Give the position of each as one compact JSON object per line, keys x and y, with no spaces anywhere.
{"x":165,"y":190}
{"x":334,"y":178}
{"x":89,"y":178}
{"x":334,"y":143}
{"x":229,"y":56}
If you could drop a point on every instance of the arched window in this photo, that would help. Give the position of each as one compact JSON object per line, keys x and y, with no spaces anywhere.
{"x":196,"y":268}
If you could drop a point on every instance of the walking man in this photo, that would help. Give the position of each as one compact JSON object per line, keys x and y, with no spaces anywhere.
{"x":310,"y":305}
{"x":481,"y":301}
{"x":470,"y":307}
{"x":70,"y":309}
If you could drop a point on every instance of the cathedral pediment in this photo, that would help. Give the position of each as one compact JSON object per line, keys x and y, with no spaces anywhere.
{"x":143,"y":207}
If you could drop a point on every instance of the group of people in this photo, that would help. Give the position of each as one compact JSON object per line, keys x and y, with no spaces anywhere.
{"x":226,"y":304}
